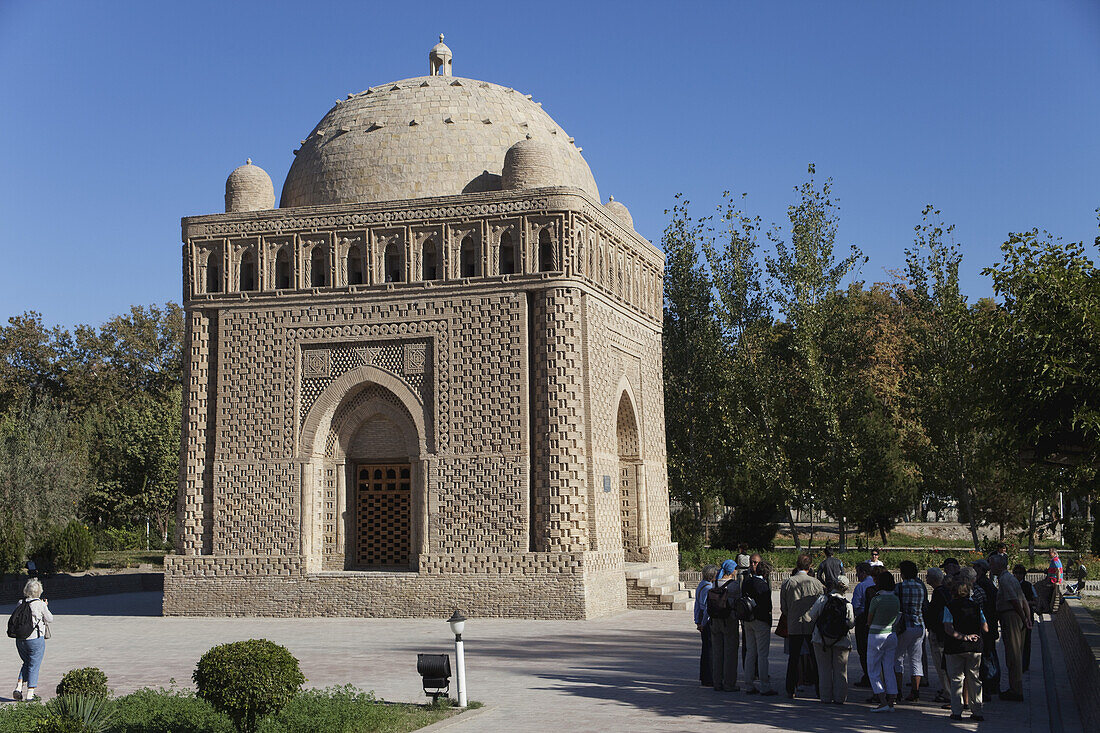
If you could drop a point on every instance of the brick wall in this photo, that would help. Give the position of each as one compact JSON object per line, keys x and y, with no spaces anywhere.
{"x":1079,"y":636}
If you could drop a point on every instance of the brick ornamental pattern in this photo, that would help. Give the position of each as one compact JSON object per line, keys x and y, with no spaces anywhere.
{"x":525,"y":400}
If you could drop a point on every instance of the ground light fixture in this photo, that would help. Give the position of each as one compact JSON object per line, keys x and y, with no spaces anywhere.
{"x":435,"y":671}
{"x":458,"y":623}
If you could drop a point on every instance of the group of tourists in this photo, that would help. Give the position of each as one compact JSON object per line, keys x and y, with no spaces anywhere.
{"x":899,"y":626}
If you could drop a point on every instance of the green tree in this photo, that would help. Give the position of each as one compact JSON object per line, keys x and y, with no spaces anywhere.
{"x":29,"y":361}
{"x":43,"y":469}
{"x":137,"y":456}
{"x":758,"y":467}
{"x":806,"y":275}
{"x":1047,"y":346}
{"x":864,"y":344}
{"x":694,"y":372}
{"x":949,"y":375}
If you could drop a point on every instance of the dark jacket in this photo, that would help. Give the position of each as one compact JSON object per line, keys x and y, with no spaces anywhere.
{"x":966,"y":620}
{"x":933,"y":618}
{"x":989,"y":607}
{"x":758,"y":589}
{"x":828,"y":571}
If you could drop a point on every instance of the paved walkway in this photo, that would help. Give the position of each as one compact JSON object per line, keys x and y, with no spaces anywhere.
{"x":636,"y":671}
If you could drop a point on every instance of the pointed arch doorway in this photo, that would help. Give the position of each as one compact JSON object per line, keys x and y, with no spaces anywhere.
{"x":631,"y":483}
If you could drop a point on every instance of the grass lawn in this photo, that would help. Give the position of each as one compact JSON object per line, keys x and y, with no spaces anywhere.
{"x":334,"y":710}
{"x":116,"y":559}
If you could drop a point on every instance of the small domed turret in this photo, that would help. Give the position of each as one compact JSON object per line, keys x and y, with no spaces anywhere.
{"x":440,"y":59}
{"x":529,"y":164}
{"x":249,"y":188}
{"x":619,"y":212}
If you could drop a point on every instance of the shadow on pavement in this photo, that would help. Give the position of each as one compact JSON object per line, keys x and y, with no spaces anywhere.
{"x":656,"y":673}
{"x":115,"y":604}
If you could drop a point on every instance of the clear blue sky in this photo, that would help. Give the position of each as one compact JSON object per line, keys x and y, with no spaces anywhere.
{"x":118,"y":118}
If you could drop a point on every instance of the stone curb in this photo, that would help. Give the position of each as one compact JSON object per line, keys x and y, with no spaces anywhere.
{"x":456,"y":719}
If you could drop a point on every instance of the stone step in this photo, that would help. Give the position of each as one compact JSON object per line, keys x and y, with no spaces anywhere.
{"x":663,"y":588}
{"x":679,"y":596}
{"x":645,"y":572}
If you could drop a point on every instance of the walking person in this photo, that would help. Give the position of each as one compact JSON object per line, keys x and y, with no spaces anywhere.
{"x":30,"y":640}
{"x":702,"y":622}
{"x":834,"y":619}
{"x":1015,"y":616}
{"x":913,"y":596}
{"x":964,"y":624}
{"x":830,"y":569}
{"x":1033,"y":604}
{"x":796,"y":598}
{"x":724,"y":628}
{"x":859,"y":605}
{"x":758,"y":629}
{"x":875,"y":562}
{"x":882,"y":643}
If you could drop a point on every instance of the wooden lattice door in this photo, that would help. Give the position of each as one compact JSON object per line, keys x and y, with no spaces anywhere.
{"x":383,"y":515}
{"x":628,"y":491}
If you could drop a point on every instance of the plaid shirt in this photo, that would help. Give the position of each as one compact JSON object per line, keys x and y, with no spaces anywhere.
{"x":913,"y":595}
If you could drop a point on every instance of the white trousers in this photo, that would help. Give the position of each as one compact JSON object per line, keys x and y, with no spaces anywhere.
{"x":881,"y":654}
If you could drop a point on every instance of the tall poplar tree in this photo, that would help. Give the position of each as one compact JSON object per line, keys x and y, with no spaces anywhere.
{"x":694,"y":373}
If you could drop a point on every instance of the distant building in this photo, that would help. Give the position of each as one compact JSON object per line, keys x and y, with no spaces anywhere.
{"x":430,"y":379}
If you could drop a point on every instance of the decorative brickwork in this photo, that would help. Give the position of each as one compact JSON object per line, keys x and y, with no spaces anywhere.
{"x":499,"y":350}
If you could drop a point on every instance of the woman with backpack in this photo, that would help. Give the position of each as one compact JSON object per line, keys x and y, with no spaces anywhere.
{"x":834,"y":619}
{"x":29,"y":625}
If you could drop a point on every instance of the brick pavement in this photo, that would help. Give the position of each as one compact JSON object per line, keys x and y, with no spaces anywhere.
{"x":635,"y":671}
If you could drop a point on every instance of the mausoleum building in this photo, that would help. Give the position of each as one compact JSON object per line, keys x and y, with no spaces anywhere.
{"x":430,"y":379}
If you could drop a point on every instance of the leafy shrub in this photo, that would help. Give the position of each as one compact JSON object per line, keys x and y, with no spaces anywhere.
{"x":86,"y":681}
{"x":13,"y":546}
{"x":167,"y":711}
{"x":120,"y":538}
{"x":90,"y":714}
{"x":248,"y":680}
{"x":348,"y":710}
{"x":21,"y":718}
{"x":68,"y":549}
{"x":55,"y":723}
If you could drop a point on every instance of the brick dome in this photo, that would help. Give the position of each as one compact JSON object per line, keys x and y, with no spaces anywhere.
{"x":529,"y":164}
{"x":426,"y":136}
{"x":249,"y":188}
{"x":619,"y":212}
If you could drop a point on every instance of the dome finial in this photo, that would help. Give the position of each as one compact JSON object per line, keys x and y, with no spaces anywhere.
{"x":248,"y":161}
{"x":439,"y":59}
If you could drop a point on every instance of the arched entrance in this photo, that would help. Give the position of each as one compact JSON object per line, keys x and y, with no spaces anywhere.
{"x":630,"y":503}
{"x":366,"y":432}
{"x":380,"y":501}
